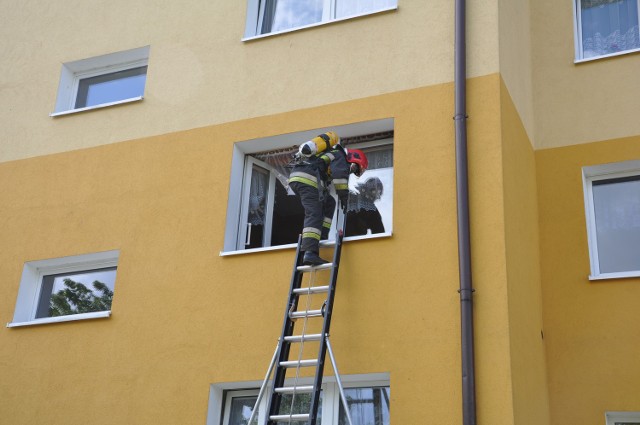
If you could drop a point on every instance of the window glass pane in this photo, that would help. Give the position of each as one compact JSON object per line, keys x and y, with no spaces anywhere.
{"x":617,"y":215}
{"x":370,"y":209}
{"x":111,"y":87}
{"x":301,"y":403}
{"x":240,"y":411}
{"x":292,"y":14}
{"x":74,"y":293}
{"x":258,"y":195}
{"x":356,"y":7}
{"x":367,"y":406}
{"x":609,"y":26}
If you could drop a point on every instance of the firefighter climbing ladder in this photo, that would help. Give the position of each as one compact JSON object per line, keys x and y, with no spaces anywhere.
{"x":300,"y":313}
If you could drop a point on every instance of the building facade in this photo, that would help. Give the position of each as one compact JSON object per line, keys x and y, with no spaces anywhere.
{"x":144,"y":147}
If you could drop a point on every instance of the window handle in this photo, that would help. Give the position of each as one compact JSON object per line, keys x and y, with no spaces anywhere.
{"x":248,"y":241}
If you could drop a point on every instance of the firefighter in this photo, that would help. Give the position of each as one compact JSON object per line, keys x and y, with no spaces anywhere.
{"x":310,"y":179}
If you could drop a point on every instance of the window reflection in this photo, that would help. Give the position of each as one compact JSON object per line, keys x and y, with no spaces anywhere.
{"x":74,"y":293}
{"x":617,"y":213}
{"x":295,"y":13}
{"x":367,"y":406}
{"x":356,"y":7}
{"x":111,"y":87}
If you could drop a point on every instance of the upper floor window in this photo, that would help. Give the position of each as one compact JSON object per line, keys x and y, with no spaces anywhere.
{"x":612,"y":200}
{"x":102,"y":81}
{"x":606,"y":27}
{"x":64,"y":289}
{"x":264,"y":212}
{"x":272,"y":16}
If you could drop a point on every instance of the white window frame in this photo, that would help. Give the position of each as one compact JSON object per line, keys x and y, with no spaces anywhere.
{"x":626,"y":417}
{"x":73,"y":72}
{"x":577,"y":36}
{"x":235,"y":233}
{"x":589,"y":175}
{"x":220,"y":395}
{"x":31,"y":285}
{"x":255,"y":9}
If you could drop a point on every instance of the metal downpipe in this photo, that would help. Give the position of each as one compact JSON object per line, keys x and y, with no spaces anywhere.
{"x":464,"y":245}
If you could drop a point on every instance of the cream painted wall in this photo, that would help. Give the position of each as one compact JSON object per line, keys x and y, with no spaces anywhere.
{"x":578,"y":103}
{"x":515,"y":58}
{"x":201,"y":73}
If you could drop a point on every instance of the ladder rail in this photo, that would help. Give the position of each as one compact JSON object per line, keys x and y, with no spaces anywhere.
{"x":315,"y":400}
{"x":292,"y":315}
{"x":287,"y":330}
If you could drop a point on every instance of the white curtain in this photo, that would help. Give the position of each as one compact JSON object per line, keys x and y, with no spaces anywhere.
{"x":609,"y":26}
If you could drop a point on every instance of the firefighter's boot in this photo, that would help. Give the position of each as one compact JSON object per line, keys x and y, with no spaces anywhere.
{"x":312,"y":259}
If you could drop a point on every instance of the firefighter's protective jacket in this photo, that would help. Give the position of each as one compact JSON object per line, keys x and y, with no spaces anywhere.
{"x":322,"y":169}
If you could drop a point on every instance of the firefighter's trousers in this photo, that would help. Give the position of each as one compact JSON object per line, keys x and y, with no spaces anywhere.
{"x":318,"y":214}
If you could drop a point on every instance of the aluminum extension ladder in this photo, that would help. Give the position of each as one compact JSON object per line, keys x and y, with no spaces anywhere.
{"x":300,"y":318}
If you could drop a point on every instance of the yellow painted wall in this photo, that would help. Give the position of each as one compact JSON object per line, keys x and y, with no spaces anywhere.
{"x":591,"y":332}
{"x":201,"y":73}
{"x":180,"y":317}
{"x":527,"y":355}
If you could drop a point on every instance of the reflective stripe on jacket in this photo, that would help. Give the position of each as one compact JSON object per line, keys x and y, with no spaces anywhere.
{"x":319,"y":170}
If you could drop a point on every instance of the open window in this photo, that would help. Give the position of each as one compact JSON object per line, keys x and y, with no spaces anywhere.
{"x":263,"y":212}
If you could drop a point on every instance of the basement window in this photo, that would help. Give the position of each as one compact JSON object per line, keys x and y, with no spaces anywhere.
{"x":368,"y":398}
{"x":612,"y":202}
{"x":277,"y":16}
{"x":264,"y":213}
{"x":66,"y":289}
{"x":102,"y":81}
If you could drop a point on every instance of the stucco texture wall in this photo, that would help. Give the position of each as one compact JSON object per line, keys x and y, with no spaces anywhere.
{"x":527,"y":360}
{"x":591,"y":333}
{"x":201,"y":73}
{"x":183,"y":317}
{"x":578,"y":103}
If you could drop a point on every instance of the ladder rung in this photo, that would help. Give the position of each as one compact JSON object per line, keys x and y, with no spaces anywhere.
{"x":301,"y":363}
{"x":314,"y":268}
{"x":305,"y":313}
{"x":295,"y":417}
{"x":312,"y":290}
{"x":298,"y":389}
{"x":300,"y":338}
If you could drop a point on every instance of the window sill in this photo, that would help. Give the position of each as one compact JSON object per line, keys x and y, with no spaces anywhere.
{"x":318,"y":24}
{"x":619,"y":275}
{"x":293,"y":245}
{"x":91,"y":108}
{"x":60,"y":319}
{"x":611,"y":55}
